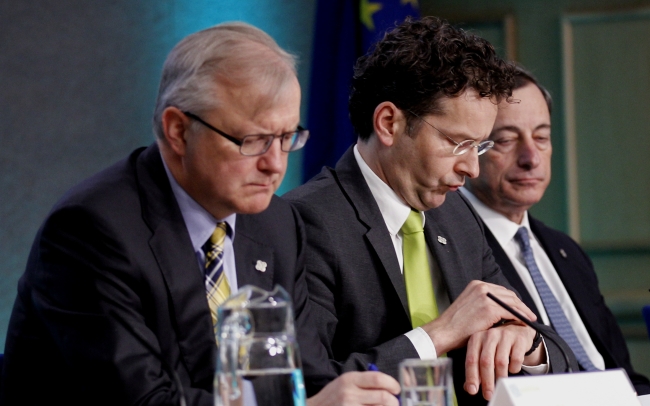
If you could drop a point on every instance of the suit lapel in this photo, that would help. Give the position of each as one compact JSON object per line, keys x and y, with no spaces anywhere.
{"x":509,"y":271}
{"x":560,"y":264}
{"x":565,"y":266}
{"x":172,"y":248}
{"x":253,"y":259}
{"x":447,"y":255}
{"x":352,"y":183}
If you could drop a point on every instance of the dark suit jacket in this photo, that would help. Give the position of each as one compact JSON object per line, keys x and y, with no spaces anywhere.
{"x":579,"y":278}
{"x":354,"y":277}
{"x":117,"y":243}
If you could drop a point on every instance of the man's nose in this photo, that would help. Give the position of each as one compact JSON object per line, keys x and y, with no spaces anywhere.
{"x":274,"y":160}
{"x":468,"y":164}
{"x":527,"y":153}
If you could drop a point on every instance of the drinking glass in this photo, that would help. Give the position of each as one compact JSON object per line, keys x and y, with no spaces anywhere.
{"x":426,"y":382}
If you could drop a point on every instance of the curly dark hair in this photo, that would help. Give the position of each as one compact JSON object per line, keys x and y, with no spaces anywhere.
{"x":417,"y":63}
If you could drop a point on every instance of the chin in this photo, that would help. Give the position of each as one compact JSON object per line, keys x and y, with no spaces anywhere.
{"x":255,"y":205}
{"x":526,"y":198}
{"x":435,"y":201}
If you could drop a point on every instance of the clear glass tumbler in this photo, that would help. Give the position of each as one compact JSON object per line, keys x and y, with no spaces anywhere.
{"x":426,"y":382}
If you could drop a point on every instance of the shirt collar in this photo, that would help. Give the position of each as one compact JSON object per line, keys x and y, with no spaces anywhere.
{"x":502,"y":228}
{"x":392,"y":208}
{"x":199,"y":223}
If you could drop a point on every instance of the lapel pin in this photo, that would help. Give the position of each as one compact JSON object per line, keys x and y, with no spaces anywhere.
{"x":563,"y":253}
{"x":260,"y":265}
{"x":442,"y":240}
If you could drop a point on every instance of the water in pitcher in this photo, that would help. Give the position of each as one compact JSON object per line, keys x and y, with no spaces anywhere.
{"x":258,"y":362}
{"x":269,"y":387}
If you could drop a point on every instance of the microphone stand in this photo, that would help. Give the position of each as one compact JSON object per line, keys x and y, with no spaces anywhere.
{"x":531,"y":325}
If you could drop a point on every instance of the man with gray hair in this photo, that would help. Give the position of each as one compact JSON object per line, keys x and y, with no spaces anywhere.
{"x":554,"y":276}
{"x":117,"y":303}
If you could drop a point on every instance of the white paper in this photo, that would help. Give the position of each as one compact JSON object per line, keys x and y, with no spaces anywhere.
{"x":603,"y":388}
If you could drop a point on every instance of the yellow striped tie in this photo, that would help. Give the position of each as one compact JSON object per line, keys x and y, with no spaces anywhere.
{"x":216,"y":284}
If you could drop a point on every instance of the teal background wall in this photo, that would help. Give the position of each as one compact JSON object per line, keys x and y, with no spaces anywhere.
{"x":79,"y":80}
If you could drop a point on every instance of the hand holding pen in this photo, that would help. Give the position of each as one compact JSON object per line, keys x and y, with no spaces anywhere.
{"x":359,"y":388}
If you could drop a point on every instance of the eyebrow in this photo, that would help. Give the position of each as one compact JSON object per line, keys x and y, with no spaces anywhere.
{"x":516,"y":129}
{"x":463,"y":136}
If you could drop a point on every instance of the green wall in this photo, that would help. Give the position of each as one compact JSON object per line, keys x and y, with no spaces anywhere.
{"x":596,"y":54}
{"x":538,"y":38}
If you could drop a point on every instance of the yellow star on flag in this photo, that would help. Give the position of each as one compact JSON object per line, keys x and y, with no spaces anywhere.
{"x":367,"y":9}
{"x":413,"y":3}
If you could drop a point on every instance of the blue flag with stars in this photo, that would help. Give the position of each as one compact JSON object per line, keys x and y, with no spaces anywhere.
{"x":344,"y":30}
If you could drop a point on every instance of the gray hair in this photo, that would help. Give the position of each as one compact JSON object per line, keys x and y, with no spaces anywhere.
{"x":524,"y":77}
{"x":229,"y":54}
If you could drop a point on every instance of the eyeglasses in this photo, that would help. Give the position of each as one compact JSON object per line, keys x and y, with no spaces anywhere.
{"x":464,"y":146}
{"x":258,"y":144}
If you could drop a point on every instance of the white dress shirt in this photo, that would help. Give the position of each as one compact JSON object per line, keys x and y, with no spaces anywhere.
{"x":200,"y":225}
{"x":395,"y":212}
{"x":504,"y":231}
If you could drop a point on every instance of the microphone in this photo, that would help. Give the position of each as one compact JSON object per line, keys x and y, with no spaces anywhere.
{"x":533,"y":326}
{"x":135,"y":333}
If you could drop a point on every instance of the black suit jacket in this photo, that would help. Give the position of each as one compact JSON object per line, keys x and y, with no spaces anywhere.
{"x":117,"y":244}
{"x":579,"y":278}
{"x":354,"y":277}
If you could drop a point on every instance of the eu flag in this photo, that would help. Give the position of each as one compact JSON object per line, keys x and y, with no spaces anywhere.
{"x":344,"y":30}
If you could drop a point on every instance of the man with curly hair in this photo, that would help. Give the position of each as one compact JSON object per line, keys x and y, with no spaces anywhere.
{"x":398,"y":266}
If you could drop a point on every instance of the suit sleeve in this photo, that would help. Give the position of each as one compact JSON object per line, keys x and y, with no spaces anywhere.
{"x":80,"y":279}
{"x":315,"y":363}
{"x":325,"y":277}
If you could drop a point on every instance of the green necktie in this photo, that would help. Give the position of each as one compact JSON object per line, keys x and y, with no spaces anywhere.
{"x":417,"y":273}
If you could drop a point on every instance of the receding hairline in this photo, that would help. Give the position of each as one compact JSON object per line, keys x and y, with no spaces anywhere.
{"x":232,"y":53}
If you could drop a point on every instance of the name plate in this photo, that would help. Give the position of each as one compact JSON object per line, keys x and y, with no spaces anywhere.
{"x":644,"y":400}
{"x":603,"y":388}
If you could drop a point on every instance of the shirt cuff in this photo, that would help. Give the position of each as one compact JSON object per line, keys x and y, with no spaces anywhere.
{"x":540,"y":369}
{"x":422,"y":343}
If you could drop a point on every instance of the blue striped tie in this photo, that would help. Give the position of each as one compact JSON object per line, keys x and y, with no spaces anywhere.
{"x":553,"y":309}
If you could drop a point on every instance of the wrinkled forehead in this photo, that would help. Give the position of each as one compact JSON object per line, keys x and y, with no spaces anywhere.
{"x":528,"y":108}
{"x":256,"y":83}
{"x":250,"y":98}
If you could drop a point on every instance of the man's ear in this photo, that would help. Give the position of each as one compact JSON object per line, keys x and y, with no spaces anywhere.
{"x":388,"y":122}
{"x":175,"y":125}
